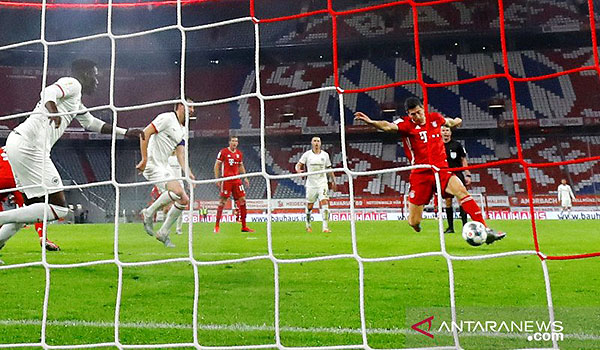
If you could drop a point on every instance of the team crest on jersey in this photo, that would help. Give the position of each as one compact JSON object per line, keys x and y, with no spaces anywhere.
{"x":453,"y":154}
{"x":434,"y":124}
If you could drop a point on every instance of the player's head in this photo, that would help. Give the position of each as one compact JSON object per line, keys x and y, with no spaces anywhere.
{"x":86,"y":72}
{"x":563,"y":181}
{"x":414,"y":108}
{"x":446,"y":134}
{"x":315,"y":142}
{"x":179,"y":109}
{"x":233,"y":142}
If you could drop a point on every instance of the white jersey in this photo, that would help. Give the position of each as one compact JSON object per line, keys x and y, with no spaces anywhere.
{"x":174,"y":166}
{"x":66,"y":93}
{"x":565,"y":194}
{"x":169,"y":134}
{"x":314,"y":162}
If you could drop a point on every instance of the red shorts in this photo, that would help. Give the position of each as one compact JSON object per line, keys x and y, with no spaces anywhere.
{"x":232,"y":187}
{"x":422,"y":186}
{"x":155,"y":193}
{"x":7,"y":180}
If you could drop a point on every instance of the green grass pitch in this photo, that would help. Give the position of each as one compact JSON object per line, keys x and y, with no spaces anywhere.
{"x":319,"y":300}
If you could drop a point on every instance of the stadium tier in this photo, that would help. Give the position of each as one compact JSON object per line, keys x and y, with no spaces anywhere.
{"x":544,"y":102}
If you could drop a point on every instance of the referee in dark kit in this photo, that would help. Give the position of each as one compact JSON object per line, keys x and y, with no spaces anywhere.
{"x":457,"y":158}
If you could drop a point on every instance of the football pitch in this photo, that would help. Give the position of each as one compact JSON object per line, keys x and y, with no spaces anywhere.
{"x":319,"y":301}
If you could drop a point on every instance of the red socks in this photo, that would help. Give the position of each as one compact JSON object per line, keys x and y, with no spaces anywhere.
{"x":219,"y":214}
{"x":38,"y":228}
{"x":471,"y":207}
{"x":243,"y":214}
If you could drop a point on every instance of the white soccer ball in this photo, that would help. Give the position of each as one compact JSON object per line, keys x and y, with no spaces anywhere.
{"x":474,"y":232}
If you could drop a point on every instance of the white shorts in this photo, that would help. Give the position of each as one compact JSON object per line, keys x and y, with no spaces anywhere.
{"x":566,"y":202}
{"x":27,"y":162}
{"x":158,"y":173}
{"x":317,"y":193}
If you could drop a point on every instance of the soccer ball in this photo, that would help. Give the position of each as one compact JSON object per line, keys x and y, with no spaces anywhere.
{"x":474,"y":233}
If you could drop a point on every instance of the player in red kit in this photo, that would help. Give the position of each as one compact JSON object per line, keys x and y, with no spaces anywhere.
{"x":423,"y":144}
{"x":7,"y":180}
{"x":230,"y":162}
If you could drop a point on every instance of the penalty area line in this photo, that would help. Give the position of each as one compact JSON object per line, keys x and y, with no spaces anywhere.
{"x":239,"y":327}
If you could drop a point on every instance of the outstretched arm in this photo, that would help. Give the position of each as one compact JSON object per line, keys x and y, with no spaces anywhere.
{"x":453,"y":122}
{"x":382,"y":125}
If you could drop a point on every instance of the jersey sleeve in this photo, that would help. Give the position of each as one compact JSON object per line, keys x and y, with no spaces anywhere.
{"x":328,"y":161}
{"x":220,"y":156}
{"x":303,"y":158}
{"x":160,"y":123}
{"x":403,"y":125}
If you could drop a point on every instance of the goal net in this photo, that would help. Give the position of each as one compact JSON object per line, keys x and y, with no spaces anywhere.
{"x":331,"y":25}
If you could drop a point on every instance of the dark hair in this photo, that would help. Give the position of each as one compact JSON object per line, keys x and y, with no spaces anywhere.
{"x":82,"y":66}
{"x":412,"y":102}
{"x":231,"y":137}
{"x":187,"y":98}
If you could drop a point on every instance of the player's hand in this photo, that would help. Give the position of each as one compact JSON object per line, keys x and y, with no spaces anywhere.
{"x":57,"y":121}
{"x":362,"y":117}
{"x":141,"y":165}
{"x":134,"y":134}
{"x":332,"y":186}
{"x":247,"y":182}
{"x":218,"y":183}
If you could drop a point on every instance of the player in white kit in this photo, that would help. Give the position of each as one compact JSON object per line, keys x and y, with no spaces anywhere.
{"x":164,"y":135}
{"x":28,"y":146}
{"x":565,"y":197}
{"x":317,"y":186}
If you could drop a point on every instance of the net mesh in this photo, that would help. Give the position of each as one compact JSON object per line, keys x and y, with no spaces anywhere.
{"x":257,"y":22}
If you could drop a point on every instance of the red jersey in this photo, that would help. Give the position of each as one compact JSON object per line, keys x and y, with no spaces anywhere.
{"x":419,"y":147}
{"x":230,"y":161}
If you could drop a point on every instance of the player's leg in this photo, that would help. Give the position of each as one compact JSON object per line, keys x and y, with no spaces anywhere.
{"x":223,"y":196}
{"x":153,"y":173}
{"x":422,"y":187}
{"x":312,"y":195}
{"x":38,"y":226}
{"x":415,"y":215}
{"x":239,"y":195}
{"x":449,"y":216}
{"x":456,"y":188}
{"x":463,"y":216}
{"x":181,"y":200}
{"x":325,"y":214}
{"x":324,"y":204}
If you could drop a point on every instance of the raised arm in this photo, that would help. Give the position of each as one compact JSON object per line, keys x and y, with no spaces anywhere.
{"x":382,"y":125}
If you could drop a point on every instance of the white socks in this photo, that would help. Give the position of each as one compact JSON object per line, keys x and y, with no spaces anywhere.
{"x":325,"y":212}
{"x":173,"y":214}
{"x":162,"y":200}
{"x":33,"y":213}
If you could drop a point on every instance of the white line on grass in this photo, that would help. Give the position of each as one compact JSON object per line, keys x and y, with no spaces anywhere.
{"x":240,"y":327}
